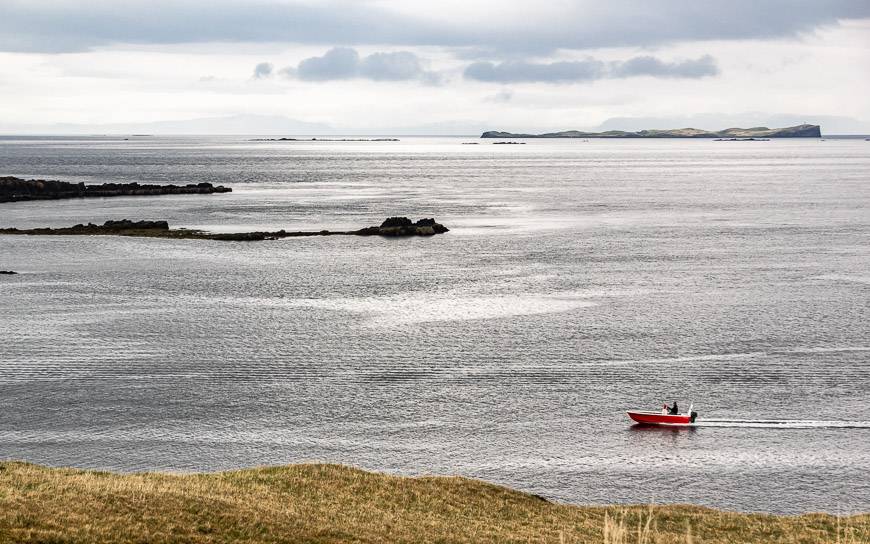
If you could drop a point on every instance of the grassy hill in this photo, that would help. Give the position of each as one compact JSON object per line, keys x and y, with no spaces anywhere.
{"x":330,"y":503}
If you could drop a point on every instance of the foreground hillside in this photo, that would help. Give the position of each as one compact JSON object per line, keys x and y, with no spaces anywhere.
{"x":329,"y":503}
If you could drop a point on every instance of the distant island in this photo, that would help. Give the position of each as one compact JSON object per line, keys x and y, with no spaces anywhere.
{"x":324,"y":140}
{"x":800,"y":131}
{"x":14,"y":189}
{"x":392,"y":227}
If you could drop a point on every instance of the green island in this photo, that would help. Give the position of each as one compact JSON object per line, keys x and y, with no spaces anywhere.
{"x":391,"y":227}
{"x":319,"y":503}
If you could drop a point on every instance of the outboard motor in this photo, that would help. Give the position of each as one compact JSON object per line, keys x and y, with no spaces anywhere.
{"x":692,"y":416}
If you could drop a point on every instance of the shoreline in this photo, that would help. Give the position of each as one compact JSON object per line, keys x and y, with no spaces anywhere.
{"x":337,"y":503}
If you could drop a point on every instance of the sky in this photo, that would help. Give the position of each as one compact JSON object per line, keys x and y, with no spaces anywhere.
{"x":451,"y":66}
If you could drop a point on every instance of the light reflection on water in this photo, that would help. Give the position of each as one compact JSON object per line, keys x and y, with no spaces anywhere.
{"x":579,"y":280}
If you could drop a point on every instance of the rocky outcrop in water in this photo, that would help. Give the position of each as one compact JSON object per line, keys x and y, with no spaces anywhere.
{"x":392,"y":227}
{"x":14,"y":189}
{"x":402,"y":226}
{"x":799,"y":131}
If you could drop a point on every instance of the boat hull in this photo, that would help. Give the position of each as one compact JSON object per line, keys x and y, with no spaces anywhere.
{"x":658,"y":418}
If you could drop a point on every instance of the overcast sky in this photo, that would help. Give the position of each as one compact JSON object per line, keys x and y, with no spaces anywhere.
{"x":438,"y":66}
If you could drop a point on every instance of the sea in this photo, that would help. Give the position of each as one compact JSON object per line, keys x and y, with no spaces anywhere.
{"x":579,"y":279}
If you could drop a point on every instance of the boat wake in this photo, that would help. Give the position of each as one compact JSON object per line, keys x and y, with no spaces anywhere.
{"x":782,"y":423}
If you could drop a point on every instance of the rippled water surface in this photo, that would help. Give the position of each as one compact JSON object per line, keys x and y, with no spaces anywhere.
{"x":579,"y":280}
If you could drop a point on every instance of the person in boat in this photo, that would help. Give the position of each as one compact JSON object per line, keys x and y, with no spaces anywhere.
{"x":674,"y":410}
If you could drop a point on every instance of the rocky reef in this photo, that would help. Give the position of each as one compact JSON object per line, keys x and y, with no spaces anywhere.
{"x":402,"y":226}
{"x":799,"y":131}
{"x":392,"y":227}
{"x":14,"y":189}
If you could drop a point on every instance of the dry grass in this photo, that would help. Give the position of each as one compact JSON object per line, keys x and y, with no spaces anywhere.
{"x":330,"y":503}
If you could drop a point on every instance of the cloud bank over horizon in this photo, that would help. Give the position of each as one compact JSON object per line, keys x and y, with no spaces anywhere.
{"x":590,"y":69}
{"x":346,"y":63}
{"x":401,"y":63}
{"x":68,"y":25}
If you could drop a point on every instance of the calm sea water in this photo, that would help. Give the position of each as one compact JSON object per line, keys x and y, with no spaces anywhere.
{"x":579,"y":280}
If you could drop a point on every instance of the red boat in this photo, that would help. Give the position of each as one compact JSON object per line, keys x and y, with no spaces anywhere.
{"x":663,"y":418}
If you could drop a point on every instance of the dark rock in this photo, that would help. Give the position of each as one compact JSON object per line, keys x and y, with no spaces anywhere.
{"x":125,"y":224}
{"x":14,"y":189}
{"x":396,"y":226}
{"x":238,"y":236}
{"x":396,"y":222}
{"x":368,"y":231}
{"x":402,"y":226}
{"x":7,"y":272}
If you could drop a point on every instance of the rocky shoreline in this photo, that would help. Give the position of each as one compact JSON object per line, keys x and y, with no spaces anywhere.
{"x":13,"y":189}
{"x":392,"y":227}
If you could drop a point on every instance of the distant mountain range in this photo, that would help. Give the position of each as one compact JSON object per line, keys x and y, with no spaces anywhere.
{"x":616,"y":127}
{"x":232,"y":124}
{"x":799,"y":131}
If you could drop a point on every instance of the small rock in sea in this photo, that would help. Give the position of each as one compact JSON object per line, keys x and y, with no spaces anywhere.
{"x":396,"y":222}
{"x":402,"y":226}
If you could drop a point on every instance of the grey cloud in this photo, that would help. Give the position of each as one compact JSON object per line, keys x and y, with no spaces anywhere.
{"x":651,"y":66}
{"x":263,"y":70}
{"x":337,"y":63}
{"x":67,"y":25}
{"x":588,"y":70}
{"x":345,"y":63}
{"x":432,"y":78}
{"x":288,"y":72}
{"x":396,"y":66}
{"x":524,"y":72}
{"x":503,"y":96}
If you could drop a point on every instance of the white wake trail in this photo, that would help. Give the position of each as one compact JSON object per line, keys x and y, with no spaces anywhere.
{"x":782,"y":423}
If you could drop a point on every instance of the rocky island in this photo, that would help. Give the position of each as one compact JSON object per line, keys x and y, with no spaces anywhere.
{"x":14,"y":189}
{"x":799,"y":131}
{"x":392,"y":227}
{"x":324,"y":140}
